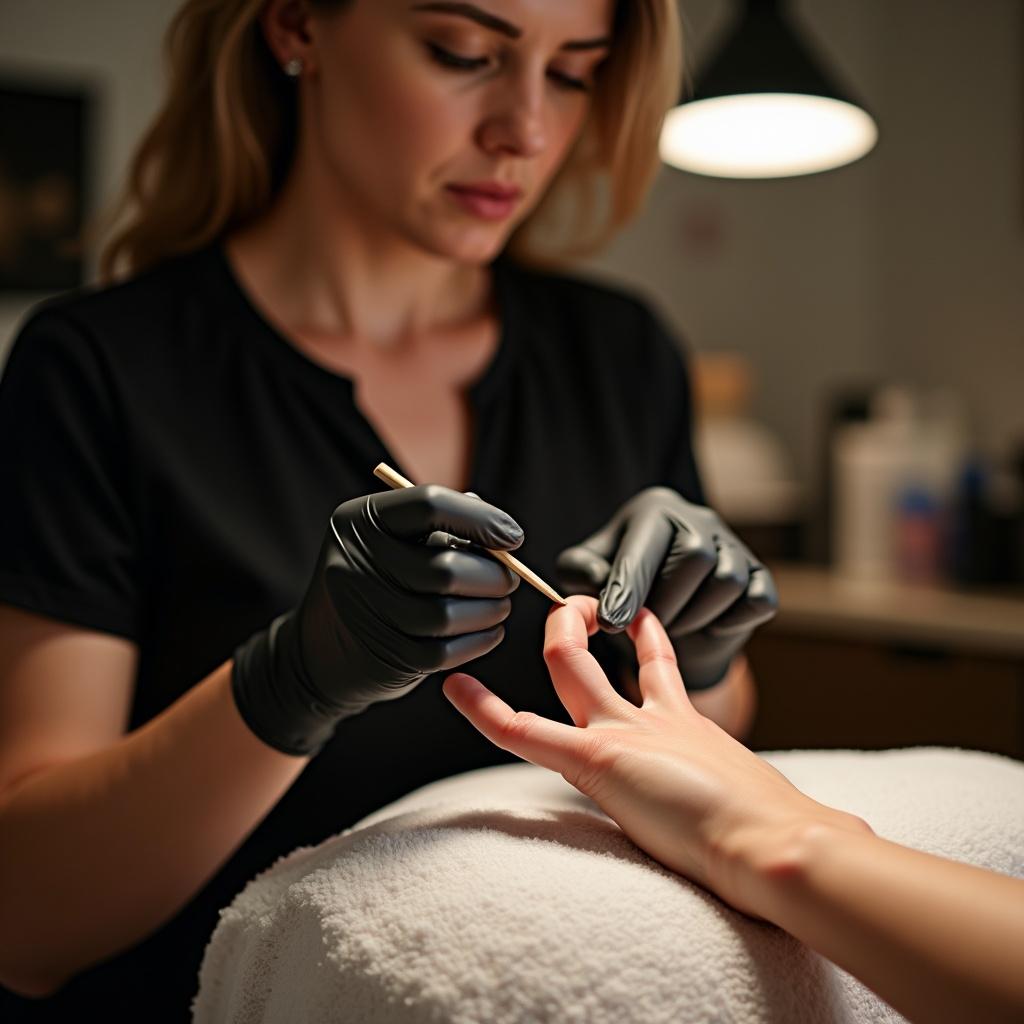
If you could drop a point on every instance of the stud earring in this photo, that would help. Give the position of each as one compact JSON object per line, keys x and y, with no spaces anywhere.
{"x":293,"y":67}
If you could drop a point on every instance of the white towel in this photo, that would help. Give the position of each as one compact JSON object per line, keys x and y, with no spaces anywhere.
{"x":503,"y":896}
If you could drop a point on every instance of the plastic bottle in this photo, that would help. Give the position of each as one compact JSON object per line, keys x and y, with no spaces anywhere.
{"x":870,"y":459}
{"x":972,"y":528}
{"x":901,"y":463}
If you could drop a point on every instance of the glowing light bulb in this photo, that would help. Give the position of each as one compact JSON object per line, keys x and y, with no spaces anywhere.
{"x":765,"y":135}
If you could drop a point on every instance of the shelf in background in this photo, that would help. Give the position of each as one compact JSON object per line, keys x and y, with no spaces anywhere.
{"x":814,"y":600}
{"x":880,"y":665}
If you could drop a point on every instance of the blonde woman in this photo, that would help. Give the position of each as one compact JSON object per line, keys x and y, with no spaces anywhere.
{"x":332,"y":247}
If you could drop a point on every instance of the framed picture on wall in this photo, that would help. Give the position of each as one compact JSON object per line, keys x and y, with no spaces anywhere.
{"x":43,"y":162}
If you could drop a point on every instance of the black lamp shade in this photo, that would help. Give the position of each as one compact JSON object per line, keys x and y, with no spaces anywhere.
{"x":765,"y":54}
{"x":766,"y":106}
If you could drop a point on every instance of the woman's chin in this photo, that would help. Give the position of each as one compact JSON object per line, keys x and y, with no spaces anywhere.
{"x":476,"y":246}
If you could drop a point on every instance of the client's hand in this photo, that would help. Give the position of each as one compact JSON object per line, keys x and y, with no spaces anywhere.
{"x":678,"y":785}
{"x":939,"y":940}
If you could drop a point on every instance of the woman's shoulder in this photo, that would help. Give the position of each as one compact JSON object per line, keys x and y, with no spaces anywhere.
{"x":579,"y":294}
{"x":594,"y":319}
{"x":145,"y":305}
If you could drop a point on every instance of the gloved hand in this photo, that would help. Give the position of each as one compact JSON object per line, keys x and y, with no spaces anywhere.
{"x":680,"y":560}
{"x":397,"y":593}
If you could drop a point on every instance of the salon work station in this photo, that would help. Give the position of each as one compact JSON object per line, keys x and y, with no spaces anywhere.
{"x":512,"y":511}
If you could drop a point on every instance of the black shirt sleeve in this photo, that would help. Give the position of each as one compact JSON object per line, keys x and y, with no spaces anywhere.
{"x":67,"y":537}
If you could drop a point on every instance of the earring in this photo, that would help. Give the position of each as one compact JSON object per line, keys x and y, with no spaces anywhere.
{"x":293,"y":67}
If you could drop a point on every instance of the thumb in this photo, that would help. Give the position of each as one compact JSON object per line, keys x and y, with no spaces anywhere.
{"x":582,"y":571}
{"x":584,"y":567}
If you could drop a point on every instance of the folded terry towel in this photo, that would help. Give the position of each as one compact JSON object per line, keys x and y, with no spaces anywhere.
{"x":503,"y":896}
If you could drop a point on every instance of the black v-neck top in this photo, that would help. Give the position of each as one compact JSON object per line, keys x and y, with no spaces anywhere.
{"x":169,"y":462}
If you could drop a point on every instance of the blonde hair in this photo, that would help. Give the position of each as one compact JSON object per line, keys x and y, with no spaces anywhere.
{"x":220,"y":147}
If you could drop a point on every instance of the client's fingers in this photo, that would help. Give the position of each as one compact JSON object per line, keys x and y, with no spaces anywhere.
{"x":659,"y":676}
{"x":579,"y":680}
{"x":538,"y":740}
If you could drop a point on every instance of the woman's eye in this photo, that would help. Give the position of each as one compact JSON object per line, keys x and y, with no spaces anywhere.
{"x":568,"y":82}
{"x":453,"y":60}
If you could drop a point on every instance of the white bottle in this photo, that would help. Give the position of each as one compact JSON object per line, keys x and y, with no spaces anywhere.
{"x":869,"y":459}
{"x":874,"y":463}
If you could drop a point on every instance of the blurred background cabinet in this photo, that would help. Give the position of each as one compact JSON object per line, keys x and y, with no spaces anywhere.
{"x":882,"y":665}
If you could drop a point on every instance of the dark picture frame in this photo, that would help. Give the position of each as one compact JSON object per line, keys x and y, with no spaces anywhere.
{"x":44,"y":151}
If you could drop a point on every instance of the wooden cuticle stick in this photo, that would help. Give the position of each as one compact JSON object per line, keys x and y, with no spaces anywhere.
{"x":394,"y":479}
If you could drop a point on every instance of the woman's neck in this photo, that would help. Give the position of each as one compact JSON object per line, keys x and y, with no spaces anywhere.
{"x":320,"y":267}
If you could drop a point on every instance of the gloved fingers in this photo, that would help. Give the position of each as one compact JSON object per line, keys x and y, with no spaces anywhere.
{"x":440,"y":655}
{"x":582,"y":571}
{"x":444,"y":565}
{"x":691,"y":559}
{"x":756,"y":607}
{"x":704,"y":659}
{"x":419,"y":616}
{"x":717,"y":593}
{"x":642,"y":549}
{"x":440,"y":539}
{"x":414,"y":513}
{"x":466,"y":574}
{"x":605,"y":541}
{"x":584,"y":567}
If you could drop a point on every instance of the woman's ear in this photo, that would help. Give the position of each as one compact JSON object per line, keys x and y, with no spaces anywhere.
{"x":285,"y":25}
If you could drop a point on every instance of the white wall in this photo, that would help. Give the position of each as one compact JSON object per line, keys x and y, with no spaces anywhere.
{"x":907,"y":265}
{"x":949,"y":262}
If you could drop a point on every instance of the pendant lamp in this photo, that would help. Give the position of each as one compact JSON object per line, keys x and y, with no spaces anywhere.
{"x":766,"y":107}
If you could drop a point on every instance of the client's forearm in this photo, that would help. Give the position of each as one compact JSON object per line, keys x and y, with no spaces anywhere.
{"x":939,"y":940}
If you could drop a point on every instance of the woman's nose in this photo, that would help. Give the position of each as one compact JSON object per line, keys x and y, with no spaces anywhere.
{"x":516,"y":123}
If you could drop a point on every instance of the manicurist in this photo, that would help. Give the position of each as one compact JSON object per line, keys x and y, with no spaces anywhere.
{"x":220,"y":635}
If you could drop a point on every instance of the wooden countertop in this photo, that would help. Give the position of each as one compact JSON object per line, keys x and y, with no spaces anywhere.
{"x":816,"y":600}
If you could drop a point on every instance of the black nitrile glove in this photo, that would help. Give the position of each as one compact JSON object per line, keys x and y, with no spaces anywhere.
{"x":397,"y":594}
{"x":687,"y":566}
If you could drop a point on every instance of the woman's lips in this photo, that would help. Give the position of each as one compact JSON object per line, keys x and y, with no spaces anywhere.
{"x":487,"y":203}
